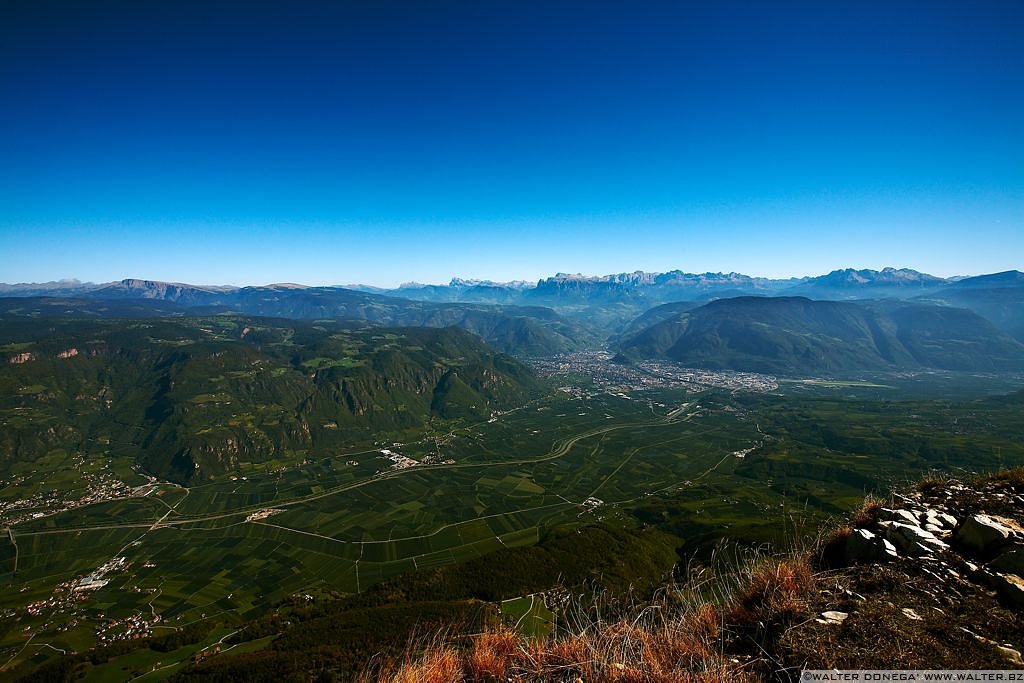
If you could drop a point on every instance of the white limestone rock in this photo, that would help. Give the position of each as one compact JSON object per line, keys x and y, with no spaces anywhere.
{"x":982,"y":534}
{"x":833,"y":617}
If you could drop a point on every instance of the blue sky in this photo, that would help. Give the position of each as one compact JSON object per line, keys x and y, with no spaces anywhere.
{"x":381,"y":142}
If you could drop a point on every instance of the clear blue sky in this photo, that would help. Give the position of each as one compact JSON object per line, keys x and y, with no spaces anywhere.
{"x":380,"y":142}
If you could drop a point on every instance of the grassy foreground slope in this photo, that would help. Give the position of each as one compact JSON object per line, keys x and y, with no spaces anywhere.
{"x":952,"y":602}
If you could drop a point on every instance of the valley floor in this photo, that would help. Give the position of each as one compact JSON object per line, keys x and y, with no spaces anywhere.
{"x":700,"y":464}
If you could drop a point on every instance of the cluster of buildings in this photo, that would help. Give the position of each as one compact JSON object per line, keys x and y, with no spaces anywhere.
{"x":99,"y":487}
{"x":132,"y":627}
{"x":731,"y":380}
{"x":66,"y":594}
{"x":262,"y":514}
{"x":606,"y":374}
{"x":436,"y":460}
{"x":398,"y":461}
{"x":63,"y":599}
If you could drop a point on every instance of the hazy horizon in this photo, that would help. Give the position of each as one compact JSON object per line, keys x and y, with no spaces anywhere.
{"x":447,"y":281}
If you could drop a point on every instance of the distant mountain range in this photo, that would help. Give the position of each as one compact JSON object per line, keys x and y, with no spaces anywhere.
{"x":640,"y":313}
{"x":568,"y":290}
{"x":677,"y":285}
{"x":562,"y":289}
{"x":674,"y":285}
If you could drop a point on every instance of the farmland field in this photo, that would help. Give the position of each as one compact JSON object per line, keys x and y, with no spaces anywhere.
{"x":701,"y":466}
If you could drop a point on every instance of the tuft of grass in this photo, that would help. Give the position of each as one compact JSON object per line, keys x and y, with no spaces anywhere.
{"x":439,"y":663}
{"x":830,"y":549}
{"x":931,"y":481}
{"x":774,"y":592}
{"x":492,"y":653}
{"x":868,"y":512}
{"x":652,"y":645}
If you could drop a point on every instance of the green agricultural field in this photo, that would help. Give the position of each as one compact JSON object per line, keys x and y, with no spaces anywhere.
{"x":742,"y":467}
{"x":528,"y":615}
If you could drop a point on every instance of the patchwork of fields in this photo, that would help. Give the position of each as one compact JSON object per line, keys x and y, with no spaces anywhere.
{"x":704,"y":467}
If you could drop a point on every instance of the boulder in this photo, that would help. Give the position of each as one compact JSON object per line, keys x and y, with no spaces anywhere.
{"x":911,"y":539}
{"x":982,"y":534}
{"x":898,"y":515}
{"x":985,"y":577}
{"x":1010,"y":588}
{"x":919,"y":549}
{"x":863,"y":546}
{"x":943,"y":519}
{"x":1010,"y":561}
{"x":934,"y":543}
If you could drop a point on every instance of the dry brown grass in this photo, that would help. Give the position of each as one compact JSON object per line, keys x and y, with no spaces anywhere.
{"x":830,"y":548}
{"x":1013,"y":477}
{"x":931,"y":481}
{"x":679,"y":638}
{"x":492,"y":653}
{"x":774,"y":591}
{"x":438,"y":664}
{"x":646,"y":648}
{"x":868,"y":512}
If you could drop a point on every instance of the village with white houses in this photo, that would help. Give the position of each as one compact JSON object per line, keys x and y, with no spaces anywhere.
{"x":102,"y":486}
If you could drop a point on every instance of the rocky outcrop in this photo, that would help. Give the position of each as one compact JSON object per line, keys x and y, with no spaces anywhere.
{"x":939,"y":566}
{"x":983,"y":534}
{"x":989,"y":547}
{"x":1010,"y":587}
{"x":1010,"y":561}
{"x":864,"y":546}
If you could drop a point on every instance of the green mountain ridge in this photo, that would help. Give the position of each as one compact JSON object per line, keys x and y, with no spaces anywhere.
{"x":794,"y":335}
{"x":522,"y":330}
{"x":192,"y":398}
